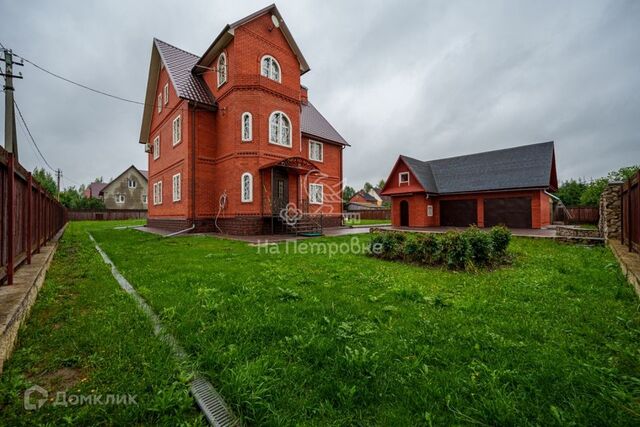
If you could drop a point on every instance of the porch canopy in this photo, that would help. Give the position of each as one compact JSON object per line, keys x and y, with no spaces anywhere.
{"x":297,"y":165}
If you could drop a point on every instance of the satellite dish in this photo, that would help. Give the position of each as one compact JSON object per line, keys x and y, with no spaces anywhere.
{"x":275,"y":20}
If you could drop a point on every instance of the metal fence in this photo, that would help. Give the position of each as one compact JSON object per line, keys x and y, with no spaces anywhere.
{"x":631,"y":213}
{"x":29,"y":216}
{"x":108,"y":214}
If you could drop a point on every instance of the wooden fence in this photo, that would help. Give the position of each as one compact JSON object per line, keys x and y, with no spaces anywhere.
{"x":29,"y":216}
{"x":108,"y":214}
{"x":373,"y":213}
{"x":577,"y":215}
{"x":630,"y":234}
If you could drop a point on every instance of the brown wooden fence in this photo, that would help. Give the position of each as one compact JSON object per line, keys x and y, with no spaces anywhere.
{"x":577,"y":215}
{"x":29,"y":216}
{"x":108,"y":214}
{"x":373,"y":213}
{"x":631,"y":213}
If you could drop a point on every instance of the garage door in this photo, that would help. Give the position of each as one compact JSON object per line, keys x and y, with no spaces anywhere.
{"x":458,"y":213}
{"x":513,"y":212}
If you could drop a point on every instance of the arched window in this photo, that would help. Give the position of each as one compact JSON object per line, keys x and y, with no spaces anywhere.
{"x":279,"y":129}
{"x":246,"y":187}
{"x":222,"y":69}
{"x":269,"y":67}
{"x":247,"y":125}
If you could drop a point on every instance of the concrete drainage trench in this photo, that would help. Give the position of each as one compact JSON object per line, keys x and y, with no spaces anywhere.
{"x":209,"y":401}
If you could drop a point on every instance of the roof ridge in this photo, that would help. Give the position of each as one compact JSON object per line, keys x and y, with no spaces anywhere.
{"x":487,"y":152}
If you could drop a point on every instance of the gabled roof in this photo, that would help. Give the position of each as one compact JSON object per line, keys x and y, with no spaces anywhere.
{"x":314,"y":124}
{"x":227,"y":34}
{"x":368,"y":197}
{"x":179,"y":63}
{"x":144,"y":175}
{"x":527,"y":166}
{"x":95,"y":188}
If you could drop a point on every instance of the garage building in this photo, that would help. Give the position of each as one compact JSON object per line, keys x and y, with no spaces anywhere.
{"x":506,"y":187}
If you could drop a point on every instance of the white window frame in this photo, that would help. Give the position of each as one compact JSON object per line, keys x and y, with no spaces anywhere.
{"x":132,"y":181}
{"x":288,"y":144}
{"x":120,"y":198}
{"x":321,"y":145}
{"x":177,"y":139}
{"x":311,"y":201}
{"x":145,"y":200}
{"x":177,"y":189}
{"x":157,"y":193}
{"x":246,"y":198}
{"x":246,"y":138}
{"x":159,"y":103}
{"x":156,"y":147}
{"x":400,"y":180}
{"x":269,"y":74}
{"x":165,"y":93}
{"x":429,"y":210}
{"x":221,"y":73}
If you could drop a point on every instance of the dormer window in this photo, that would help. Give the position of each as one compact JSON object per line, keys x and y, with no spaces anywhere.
{"x":403,"y":177}
{"x":270,"y":68}
{"x":222,"y":69}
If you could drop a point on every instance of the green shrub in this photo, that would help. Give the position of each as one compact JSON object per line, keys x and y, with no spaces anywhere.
{"x":501,"y":236}
{"x":431,"y":249}
{"x":388,"y":245}
{"x":481,"y":245}
{"x":412,"y":250}
{"x":456,"y":250}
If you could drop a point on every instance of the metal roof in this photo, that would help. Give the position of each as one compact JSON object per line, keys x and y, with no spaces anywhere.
{"x":179,"y":64}
{"x":526,"y":166}
{"x":313,"y":123}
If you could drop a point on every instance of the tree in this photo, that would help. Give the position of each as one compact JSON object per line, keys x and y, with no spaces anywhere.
{"x":347,"y":194}
{"x":367,"y":187}
{"x":571,"y":191}
{"x":45,"y":179}
{"x":74,"y":199}
{"x":381,"y":184}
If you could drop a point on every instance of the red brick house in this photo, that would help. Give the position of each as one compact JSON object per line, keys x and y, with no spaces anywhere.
{"x":496,"y":187}
{"x":232,"y":137}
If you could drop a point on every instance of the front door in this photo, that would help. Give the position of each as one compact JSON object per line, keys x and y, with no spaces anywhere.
{"x":404,"y":213}
{"x":280,"y":191}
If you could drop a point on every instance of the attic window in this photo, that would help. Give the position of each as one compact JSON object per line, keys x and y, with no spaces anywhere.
{"x":270,"y":68}
{"x":222,"y":69}
{"x":159,"y":103}
{"x":403,"y":177}
{"x":131,"y":183}
{"x":165,"y":93}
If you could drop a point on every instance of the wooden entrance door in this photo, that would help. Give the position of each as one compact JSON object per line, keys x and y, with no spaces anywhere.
{"x":280,"y":190}
{"x":404,"y":213}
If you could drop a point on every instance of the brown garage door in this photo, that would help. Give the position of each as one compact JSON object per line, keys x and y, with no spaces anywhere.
{"x":513,"y":212}
{"x":458,"y":213}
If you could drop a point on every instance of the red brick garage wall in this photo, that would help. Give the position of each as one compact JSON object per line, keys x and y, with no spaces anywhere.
{"x":540,"y":207}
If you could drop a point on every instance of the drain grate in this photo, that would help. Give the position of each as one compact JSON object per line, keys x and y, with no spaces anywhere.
{"x":211,"y":404}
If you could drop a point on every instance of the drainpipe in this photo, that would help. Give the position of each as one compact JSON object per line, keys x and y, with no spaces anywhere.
{"x":193,"y":165}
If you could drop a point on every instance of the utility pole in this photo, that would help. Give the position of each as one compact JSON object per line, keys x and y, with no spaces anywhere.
{"x":10,"y":139}
{"x":59,"y":177}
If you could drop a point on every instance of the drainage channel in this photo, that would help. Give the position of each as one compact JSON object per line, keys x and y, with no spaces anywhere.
{"x":208,"y":399}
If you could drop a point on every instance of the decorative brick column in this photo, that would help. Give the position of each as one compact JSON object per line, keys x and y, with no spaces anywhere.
{"x":611,"y":211}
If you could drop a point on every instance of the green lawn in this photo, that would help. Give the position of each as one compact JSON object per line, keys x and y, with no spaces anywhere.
{"x":86,"y":337}
{"x":352,"y":221}
{"x":293,"y":338}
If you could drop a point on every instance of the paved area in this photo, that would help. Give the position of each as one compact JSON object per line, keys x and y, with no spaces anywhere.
{"x":524,"y":232}
{"x":629,"y":263}
{"x":16,"y":299}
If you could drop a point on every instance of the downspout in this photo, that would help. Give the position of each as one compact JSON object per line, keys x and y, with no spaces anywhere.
{"x":564,"y":208}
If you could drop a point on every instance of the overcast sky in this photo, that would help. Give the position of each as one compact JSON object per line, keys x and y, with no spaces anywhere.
{"x":424,"y":79}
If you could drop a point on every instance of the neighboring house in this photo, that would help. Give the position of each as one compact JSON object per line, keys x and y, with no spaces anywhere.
{"x":93,"y":190}
{"x":362,"y":199}
{"x":495,"y":187}
{"x":380,"y":198}
{"x":232,"y":137}
{"x":127,"y":191}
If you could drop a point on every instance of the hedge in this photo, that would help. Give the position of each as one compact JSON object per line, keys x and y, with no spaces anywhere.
{"x":467,"y":249}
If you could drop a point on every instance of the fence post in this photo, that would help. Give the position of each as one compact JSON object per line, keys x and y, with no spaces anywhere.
{"x":29,"y":204}
{"x":11,"y":181}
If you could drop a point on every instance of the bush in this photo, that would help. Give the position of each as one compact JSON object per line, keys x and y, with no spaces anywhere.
{"x":455,"y":249}
{"x":501,"y":236}
{"x":481,"y":245}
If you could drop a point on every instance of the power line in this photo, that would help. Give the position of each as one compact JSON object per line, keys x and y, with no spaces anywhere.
{"x":31,"y":137}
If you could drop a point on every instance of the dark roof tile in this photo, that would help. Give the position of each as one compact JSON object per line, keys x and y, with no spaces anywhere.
{"x":314,"y":124}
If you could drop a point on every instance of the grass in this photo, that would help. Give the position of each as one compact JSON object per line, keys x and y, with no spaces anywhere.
{"x":354,"y":221}
{"x":87,"y":337}
{"x":293,"y":338}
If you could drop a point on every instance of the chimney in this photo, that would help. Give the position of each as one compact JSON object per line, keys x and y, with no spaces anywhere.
{"x":304,"y":97}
